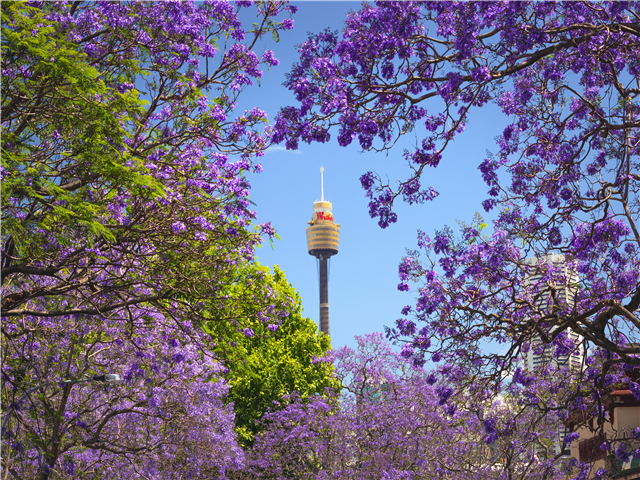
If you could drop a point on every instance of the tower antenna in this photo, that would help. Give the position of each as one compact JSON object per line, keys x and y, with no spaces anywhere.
{"x":322,"y":184}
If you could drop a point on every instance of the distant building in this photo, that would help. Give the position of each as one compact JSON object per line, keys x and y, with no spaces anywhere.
{"x":545,"y":293}
{"x":323,"y":236}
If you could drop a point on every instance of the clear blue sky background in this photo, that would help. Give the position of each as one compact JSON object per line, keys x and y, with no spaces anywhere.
{"x":363,"y":295}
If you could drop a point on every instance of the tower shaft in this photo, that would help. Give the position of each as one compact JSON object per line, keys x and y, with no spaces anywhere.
{"x":324,"y":295}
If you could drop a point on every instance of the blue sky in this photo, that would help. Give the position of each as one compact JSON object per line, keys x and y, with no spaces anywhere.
{"x":363,"y":295}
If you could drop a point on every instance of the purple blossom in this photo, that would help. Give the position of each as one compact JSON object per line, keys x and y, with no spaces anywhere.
{"x":178,"y":227}
{"x":248,"y":332}
{"x":635,"y":389}
{"x":269,"y":58}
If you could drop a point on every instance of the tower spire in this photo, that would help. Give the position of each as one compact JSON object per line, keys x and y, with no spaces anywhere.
{"x":323,"y":236}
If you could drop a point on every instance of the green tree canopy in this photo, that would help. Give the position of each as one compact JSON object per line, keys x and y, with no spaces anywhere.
{"x":267,"y":361}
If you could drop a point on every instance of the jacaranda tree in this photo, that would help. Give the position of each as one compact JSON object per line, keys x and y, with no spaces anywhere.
{"x":396,"y":420}
{"x":125,"y":227}
{"x":563,"y":178}
{"x":115,"y":159}
{"x":166,"y":419}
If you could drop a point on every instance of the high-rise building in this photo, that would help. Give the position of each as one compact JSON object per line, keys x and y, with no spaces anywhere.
{"x":322,"y":242}
{"x":564,"y":291}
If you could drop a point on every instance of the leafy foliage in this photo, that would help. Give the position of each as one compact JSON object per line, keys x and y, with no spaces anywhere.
{"x":267,"y":361}
{"x":115,"y":162}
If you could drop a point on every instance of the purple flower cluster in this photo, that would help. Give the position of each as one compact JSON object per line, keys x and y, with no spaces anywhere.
{"x":396,"y":421}
{"x":170,"y":394}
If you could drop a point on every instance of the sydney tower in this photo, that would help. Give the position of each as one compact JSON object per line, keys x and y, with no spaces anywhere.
{"x":322,"y":243}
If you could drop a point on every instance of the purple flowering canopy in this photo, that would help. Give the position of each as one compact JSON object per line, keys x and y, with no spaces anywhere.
{"x":125,"y":224}
{"x":394,"y":420}
{"x":559,"y":274}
